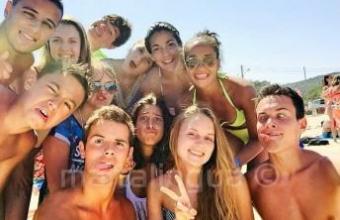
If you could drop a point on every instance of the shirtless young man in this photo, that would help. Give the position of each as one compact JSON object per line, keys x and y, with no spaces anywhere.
{"x":107,"y":145}
{"x":294,"y":183}
{"x":52,"y":99}
{"x":27,"y":26}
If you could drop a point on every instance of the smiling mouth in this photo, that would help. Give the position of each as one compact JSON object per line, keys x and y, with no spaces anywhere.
{"x":196,"y":153}
{"x":43,"y":114}
{"x":27,"y":36}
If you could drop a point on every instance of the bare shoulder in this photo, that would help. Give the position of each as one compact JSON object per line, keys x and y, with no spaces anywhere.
{"x":58,"y":205}
{"x":125,"y":206}
{"x":7,"y":96}
{"x":236,"y":85}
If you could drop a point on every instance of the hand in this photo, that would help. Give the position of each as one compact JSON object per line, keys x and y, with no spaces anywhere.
{"x":184,"y":208}
{"x":5,"y":67}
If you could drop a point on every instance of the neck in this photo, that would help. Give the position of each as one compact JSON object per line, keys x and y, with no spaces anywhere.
{"x":93,"y":45}
{"x":147,"y":151}
{"x":191,"y":176}
{"x":287,"y":162}
{"x":13,"y":122}
{"x":98,"y":191}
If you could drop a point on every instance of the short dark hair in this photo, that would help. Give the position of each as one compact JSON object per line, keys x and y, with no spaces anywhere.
{"x":123,"y":26}
{"x":161,"y":151}
{"x":79,"y":72}
{"x":277,"y":90}
{"x":57,"y":3}
{"x":158,"y":27}
{"x":110,"y":113}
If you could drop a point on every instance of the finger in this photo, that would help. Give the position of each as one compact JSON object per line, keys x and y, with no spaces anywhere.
{"x":169,"y":193}
{"x":182,"y":188}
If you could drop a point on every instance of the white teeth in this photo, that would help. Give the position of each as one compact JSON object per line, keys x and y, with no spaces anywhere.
{"x":44,"y":112}
{"x":196,"y":153}
{"x":167,"y":61}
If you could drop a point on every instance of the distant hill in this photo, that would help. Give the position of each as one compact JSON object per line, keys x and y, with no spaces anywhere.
{"x":310,"y":88}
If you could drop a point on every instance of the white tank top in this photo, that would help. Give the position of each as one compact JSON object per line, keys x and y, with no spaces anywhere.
{"x":139,"y":203}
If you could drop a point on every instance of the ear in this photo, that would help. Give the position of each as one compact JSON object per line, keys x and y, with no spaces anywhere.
{"x":129,"y":163}
{"x":303,"y":123}
{"x":82,"y":149}
{"x":8,"y":7}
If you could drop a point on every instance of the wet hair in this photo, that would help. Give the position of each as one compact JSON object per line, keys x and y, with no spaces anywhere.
{"x":158,"y":27}
{"x":123,"y":26}
{"x":277,"y":90}
{"x":161,"y":152}
{"x":57,"y":3}
{"x":205,"y":37}
{"x":81,"y":73}
{"x":84,"y":55}
{"x":325,"y":79}
{"x":110,"y":113}
{"x":216,"y":199}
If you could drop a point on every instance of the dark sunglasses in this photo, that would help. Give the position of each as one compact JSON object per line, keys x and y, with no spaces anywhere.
{"x":108,"y":86}
{"x":193,"y":63}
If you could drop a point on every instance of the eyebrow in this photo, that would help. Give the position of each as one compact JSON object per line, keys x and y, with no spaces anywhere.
{"x":144,"y":113}
{"x":209,"y":134}
{"x":36,"y":12}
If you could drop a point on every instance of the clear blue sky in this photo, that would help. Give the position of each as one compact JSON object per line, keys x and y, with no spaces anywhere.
{"x":274,"y":39}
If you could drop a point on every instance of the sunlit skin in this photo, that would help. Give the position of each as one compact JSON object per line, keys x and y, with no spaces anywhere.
{"x":106,"y":152}
{"x":286,"y":177}
{"x":102,"y":34}
{"x":57,"y":151}
{"x":202,"y":67}
{"x":53,"y":98}
{"x":27,"y":26}
{"x":168,"y":78}
{"x":177,"y":190}
{"x":65,"y":44}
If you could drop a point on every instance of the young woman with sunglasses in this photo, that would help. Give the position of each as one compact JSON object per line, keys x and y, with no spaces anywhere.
{"x":130,"y":73}
{"x":168,"y":78}
{"x":61,"y":151}
{"x":231,"y":99}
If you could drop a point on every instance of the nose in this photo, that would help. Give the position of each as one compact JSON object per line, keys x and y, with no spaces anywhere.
{"x":149,"y":123}
{"x":35,"y":27}
{"x":271,"y":123}
{"x":109,"y":150}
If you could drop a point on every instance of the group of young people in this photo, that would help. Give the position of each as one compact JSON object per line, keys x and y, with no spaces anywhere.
{"x":159,"y":134}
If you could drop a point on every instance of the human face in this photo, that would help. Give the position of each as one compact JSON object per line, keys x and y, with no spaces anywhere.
{"x":277,"y":125}
{"x":30,"y":23}
{"x":196,"y":140}
{"x":102,"y":34}
{"x":149,"y":125}
{"x":65,"y":44}
{"x":103,"y":96}
{"x":165,"y":50}
{"x":202,"y":65}
{"x":107,"y":148}
{"x":52,"y":99}
{"x":138,"y":61}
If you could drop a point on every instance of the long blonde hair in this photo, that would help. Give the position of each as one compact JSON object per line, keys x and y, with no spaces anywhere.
{"x":216,"y":200}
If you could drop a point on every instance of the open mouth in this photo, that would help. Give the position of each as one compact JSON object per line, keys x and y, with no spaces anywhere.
{"x":196,"y":153}
{"x":43,"y":114}
{"x":101,"y":98}
{"x":105,"y":166}
{"x":201,"y":76}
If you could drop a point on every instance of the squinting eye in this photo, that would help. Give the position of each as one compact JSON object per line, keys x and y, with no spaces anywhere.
{"x":191,"y":62}
{"x":210,"y":61}
{"x":68,"y":106}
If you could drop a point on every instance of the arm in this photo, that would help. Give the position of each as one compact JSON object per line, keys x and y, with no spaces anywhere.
{"x":253,"y":147}
{"x":56,"y":153}
{"x":154,"y":202}
{"x":243,"y":200}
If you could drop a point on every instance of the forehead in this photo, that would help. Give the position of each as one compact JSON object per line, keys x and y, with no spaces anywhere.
{"x":275,"y":102}
{"x":150,"y":109}
{"x":198,"y":47}
{"x":66,"y":31}
{"x":110,"y":129}
{"x":198,"y":121}
{"x":162,"y":36}
{"x":43,"y":7}
{"x":102,"y":74}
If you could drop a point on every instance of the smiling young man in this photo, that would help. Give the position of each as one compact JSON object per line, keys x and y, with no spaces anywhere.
{"x":109,"y":32}
{"x":27,"y":26}
{"x":106,"y":149}
{"x":294,"y":183}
